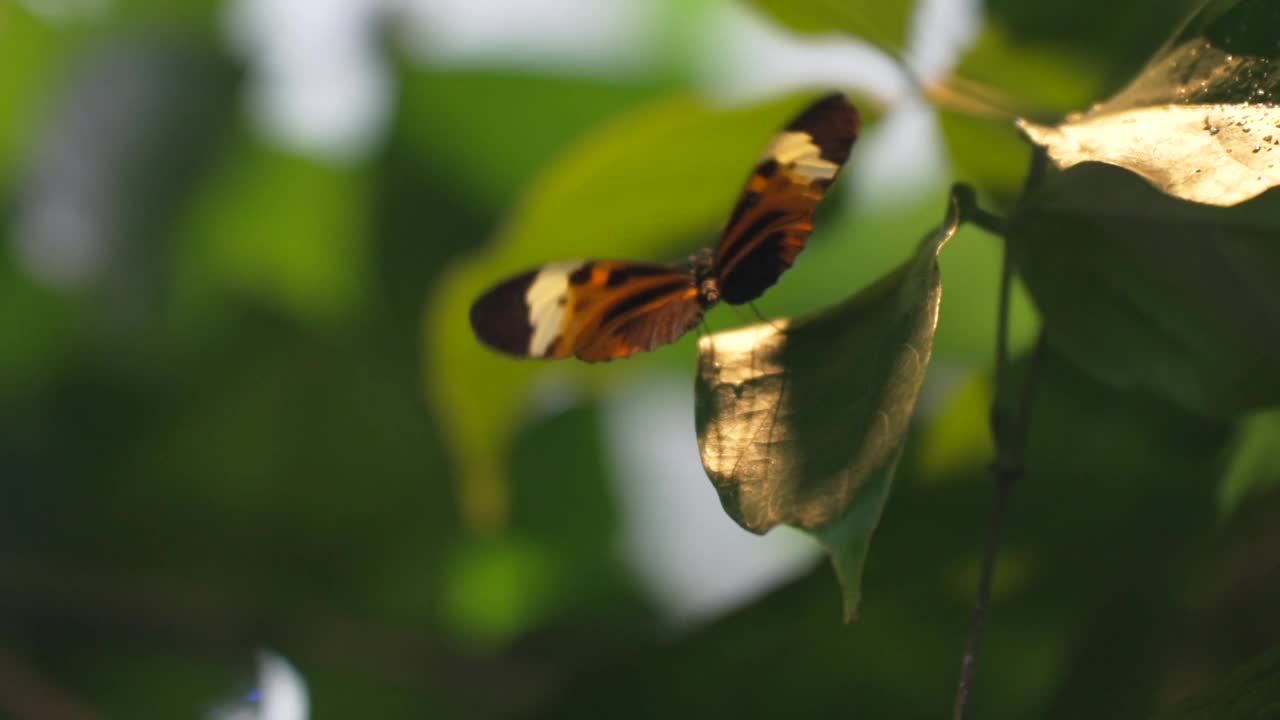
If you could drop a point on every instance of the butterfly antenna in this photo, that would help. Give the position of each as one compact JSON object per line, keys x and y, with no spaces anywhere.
{"x":760,"y":316}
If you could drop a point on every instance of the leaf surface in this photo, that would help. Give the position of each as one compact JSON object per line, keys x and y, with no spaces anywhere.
{"x":801,"y":423}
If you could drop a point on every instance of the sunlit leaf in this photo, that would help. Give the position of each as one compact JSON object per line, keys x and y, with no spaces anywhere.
{"x":801,"y":423}
{"x":1202,"y":121}
{"x":885,"y":22}
{"x":1144,"y":290}
{"x":1040,"y":60}
{"x":650,"y":185}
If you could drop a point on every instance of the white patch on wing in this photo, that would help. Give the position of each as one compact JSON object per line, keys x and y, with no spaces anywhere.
{"x":547,"y":297}
{"x":796,"y":152}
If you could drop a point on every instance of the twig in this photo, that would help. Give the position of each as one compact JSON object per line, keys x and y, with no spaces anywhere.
{"x":1010,"y":433}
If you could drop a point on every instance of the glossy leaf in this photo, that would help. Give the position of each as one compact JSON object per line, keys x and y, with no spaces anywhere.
{"x":1202,"y":120}
{"x":647,"y":186}
{"x":1144,"y":290}
{"x":884,"y":23}
{"x":801,"y":423}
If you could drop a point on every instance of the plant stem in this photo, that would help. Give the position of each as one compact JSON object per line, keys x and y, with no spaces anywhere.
{"x":1010,"y":434}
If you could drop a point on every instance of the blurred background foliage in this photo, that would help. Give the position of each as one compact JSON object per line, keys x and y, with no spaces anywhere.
{"x":240,"y":406}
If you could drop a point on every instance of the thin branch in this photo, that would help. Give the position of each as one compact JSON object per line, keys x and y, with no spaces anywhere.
{"x":978,"y":625}
{"x":1010,"y":433}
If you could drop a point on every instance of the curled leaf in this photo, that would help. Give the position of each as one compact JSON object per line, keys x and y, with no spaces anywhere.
{"x":1201,"y":122}
{"x":801,"y":423}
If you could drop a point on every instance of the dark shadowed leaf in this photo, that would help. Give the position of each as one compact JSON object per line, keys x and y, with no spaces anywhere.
{"x":801,"y":423}
{"x":1147,"y":291}
{"x":1250,"y":693}
{"x":1201,"y":121}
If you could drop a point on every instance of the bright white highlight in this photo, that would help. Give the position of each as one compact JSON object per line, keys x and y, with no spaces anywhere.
{"x":546,"y":298}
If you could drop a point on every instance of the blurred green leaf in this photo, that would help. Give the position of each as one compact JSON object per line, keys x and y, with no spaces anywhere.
{"x":462,"y":123}
{"x":498,"y":588}
{"x":648,"y":185}
{"x":1255,"y":461}
{"x":801,"y":423}
{"x":1250,"y":693}
{"x":1054,"y":57}
{"x":1145,"y":290}
{"x":1201,"y":122}
{"x":884,"y":23}
{"x":986,"y":152}
{"x":33,"y":56}
{"x":276,"y":228}
{"x":958,"y":438}
{"x":37,"y":329}
{"x":999,"y":79}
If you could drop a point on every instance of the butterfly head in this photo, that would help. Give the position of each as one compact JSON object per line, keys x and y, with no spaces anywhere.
{"x":702,"y":267}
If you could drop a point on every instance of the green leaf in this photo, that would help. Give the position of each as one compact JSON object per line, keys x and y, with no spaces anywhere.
{"x":28,"y":79}
{"x":648,"y":185}
{"x":1249,"y":693}
{"x":1202,"y":120}
{"x":438,"y":108}
{"x":885,"y":23}
{"x":1107,"y":40}
{"x":801,"y":423}
{"x":848,"y":540}
{"x":277,"y":228}
{"x":1147,"y":291}
{"x":1255,"y":461}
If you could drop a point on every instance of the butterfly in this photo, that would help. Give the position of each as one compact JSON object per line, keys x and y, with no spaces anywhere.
{"x":608,"y":309}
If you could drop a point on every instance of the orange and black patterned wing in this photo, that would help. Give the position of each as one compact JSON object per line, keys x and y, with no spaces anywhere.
{"x":595,"y":310}
{"x":774,"y":216}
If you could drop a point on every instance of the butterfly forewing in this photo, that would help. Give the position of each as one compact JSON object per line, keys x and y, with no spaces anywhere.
{"x":604,"y":310}
{"x":596,"y":310}
{"x":774,"y":215}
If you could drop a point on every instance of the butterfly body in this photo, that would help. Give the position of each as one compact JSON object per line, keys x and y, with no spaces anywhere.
{"x":608,"y":309}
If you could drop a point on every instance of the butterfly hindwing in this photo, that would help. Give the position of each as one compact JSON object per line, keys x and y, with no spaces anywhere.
{"x":596,"y":310}
{"x":774,"y":215}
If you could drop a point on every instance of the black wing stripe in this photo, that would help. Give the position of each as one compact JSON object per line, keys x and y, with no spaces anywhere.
{"x":742,"y":241}
{"x":642,"y":299}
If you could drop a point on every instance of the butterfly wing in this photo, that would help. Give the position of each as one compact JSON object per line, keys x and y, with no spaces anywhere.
{"x":774,"y":216}
{"x":596,"y":310}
